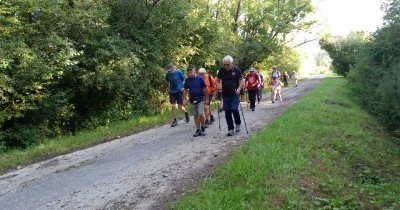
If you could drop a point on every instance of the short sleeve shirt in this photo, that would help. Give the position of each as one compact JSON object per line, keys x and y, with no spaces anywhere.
{"x":230,"y":80}
{"x":252,"y":79}
{"x":196,"y":87}
{"x":175,"y":80}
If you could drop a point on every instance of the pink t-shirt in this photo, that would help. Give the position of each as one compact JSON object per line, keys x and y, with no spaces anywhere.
{"x":276,"y":84}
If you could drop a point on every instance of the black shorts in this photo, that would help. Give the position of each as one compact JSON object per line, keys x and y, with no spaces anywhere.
{"x":176,"y":98}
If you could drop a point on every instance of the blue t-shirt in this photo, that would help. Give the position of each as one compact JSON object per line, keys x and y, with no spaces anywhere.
{"x":175,"y":80}
{"x":196,"y":87}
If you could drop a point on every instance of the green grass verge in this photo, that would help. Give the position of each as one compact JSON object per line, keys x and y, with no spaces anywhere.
{"x":66,"y":144}
{"x":324,"y":152}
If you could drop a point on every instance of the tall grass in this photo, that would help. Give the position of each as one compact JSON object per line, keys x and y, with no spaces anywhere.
{"x":322,"y":153}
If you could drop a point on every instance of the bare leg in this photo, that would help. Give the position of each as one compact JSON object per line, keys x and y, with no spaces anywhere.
{"x":181,"y":107}
{"x":207,"y":111}
{"x":280,"y":96}
{"x":201,"y":120}
{"x":173,"y":106}
{"x":197,"y":121}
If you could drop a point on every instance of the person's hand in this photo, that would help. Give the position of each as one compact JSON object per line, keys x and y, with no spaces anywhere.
{"x":238,"y":91}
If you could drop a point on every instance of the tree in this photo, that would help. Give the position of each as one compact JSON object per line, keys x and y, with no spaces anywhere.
{"x":343,"y":50}
{"x":375,"y":75}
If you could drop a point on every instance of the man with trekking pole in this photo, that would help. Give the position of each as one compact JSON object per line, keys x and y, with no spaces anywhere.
{"x":232,"y":84}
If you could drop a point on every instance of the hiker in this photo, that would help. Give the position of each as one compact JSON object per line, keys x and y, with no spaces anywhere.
{"x":210,"y":83}
{"x":198,"y":97}
{"x":275,"y":74}
{"x":276,"y":87}
{"x":285,"y":79}
{"x":260,"y":86}
{"x":294,"y":78}
{"x":232,"y":84}
{"x":252,"y":82}
{"x":175,"y":79}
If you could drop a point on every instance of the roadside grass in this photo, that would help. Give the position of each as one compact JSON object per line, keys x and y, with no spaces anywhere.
{"x":324,"y":152}
{"x":84,"y":139}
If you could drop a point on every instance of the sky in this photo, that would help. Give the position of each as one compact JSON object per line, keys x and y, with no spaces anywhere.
{"x":343,"y":16}
{"x":339,"y":18}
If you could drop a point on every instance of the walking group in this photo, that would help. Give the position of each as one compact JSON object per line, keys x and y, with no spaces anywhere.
{"x":202,"y":89}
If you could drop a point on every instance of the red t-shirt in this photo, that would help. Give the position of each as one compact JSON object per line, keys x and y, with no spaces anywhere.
{"x":252,"y":80}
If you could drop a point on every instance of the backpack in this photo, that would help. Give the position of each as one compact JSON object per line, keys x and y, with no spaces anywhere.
{"x":276,"y":74}
{"x":211,"y":85}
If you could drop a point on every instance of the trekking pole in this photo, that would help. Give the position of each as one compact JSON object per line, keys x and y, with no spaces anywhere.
{"x":245,"y":125}
{"x":246,"y":95}
{"x":219,"y":121}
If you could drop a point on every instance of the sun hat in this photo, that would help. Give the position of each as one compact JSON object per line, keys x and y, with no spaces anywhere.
{"x":202,"y":71}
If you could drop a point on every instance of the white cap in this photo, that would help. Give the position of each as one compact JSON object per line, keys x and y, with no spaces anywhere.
{"x":252,"y":69}
{"x":202,"y":71}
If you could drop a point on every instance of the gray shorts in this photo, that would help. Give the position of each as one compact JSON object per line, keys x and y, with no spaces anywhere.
{"x":197,"y":109}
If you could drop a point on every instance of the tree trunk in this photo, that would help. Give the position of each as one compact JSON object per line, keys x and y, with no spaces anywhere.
{"x":236,"y":23}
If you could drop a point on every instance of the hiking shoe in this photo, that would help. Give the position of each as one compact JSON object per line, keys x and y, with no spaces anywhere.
{"x":252,"y":109}
{"x":197,"y":133}
{"x":187,"y":117}
{"x":203,"y":131}
{"x":237,"y":129}
{"x":212,"y":119}
{"x":273,"y":101}
{"x":174,"y":123}
{"x":221,"y":109}
{"x":206,"y":123}
{"x":231,"y":133}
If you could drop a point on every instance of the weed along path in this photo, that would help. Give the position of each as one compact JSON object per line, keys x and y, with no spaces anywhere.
{"x":142,"y":171}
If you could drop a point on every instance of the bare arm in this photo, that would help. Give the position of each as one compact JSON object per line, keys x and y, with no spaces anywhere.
{"x":184,"y":96}
{"x":217,"y":85}
{"x":206,"y":94}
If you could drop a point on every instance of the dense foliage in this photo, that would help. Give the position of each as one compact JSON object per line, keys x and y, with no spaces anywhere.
{"x":343,"y":50}
{"x":374,"y":67}
{"x":67,"y":65}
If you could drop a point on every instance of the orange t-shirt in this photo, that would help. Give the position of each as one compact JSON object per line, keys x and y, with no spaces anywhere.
{"x":210,"y":82}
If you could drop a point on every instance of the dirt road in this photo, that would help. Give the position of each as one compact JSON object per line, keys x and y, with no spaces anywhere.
{"x":143,"y":171}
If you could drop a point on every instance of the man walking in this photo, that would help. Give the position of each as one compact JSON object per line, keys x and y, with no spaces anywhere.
{"x":175,"y":79}
{"x":252,"y":82}
{"x":232,"y":84}
{"x":198,"y":96}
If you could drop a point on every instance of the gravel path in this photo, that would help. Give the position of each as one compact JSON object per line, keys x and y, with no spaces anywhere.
{"x":148,"y":170}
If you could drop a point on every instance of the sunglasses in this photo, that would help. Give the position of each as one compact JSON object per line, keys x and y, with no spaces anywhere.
{"x":227,"y":64}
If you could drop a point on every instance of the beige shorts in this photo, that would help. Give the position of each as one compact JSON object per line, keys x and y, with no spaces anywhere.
{"x":197,"y":109}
